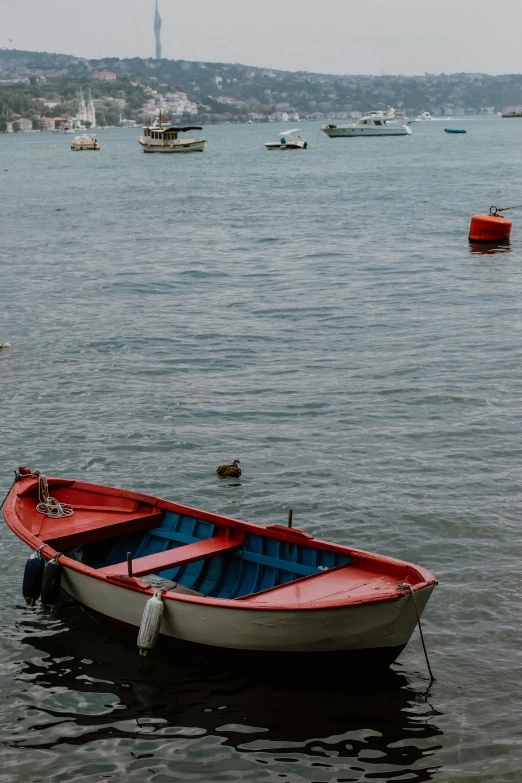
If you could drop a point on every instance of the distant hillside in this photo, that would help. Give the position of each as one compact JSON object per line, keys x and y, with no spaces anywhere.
{"x":222,"y":91}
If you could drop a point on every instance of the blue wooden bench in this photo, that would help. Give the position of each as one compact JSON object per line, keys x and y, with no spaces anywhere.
{"x":178,"y":556}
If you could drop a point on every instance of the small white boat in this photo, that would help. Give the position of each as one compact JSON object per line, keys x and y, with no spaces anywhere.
{"x":85,"y":142}
{"x":166,"y":138}
{"x":289,"y":140}
{"x":373,"y":124}
{"x":424,"y":116}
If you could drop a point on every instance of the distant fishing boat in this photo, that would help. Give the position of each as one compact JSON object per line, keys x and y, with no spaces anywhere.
{"x":454,"y":130}
{"x":85,"y":142}
{"x":201,"y":578}
{"x":167,"y":139}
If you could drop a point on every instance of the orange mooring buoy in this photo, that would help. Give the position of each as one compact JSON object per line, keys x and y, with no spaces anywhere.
{"x":490,"y":228}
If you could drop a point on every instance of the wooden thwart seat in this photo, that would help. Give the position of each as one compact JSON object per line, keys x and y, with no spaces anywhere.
{"x":178,"y":556}
{"x":87,"y":526}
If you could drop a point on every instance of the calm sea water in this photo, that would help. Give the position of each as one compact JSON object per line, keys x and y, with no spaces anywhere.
{"x":321,"y":317}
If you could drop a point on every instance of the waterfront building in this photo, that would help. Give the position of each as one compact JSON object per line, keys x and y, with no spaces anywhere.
{"x":46,"y":123}
{"x":157,"y":32}
{"x":22,"y":126}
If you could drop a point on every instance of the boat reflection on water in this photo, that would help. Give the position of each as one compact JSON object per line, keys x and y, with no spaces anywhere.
{"x":489,"y":248}
{"x":90,"y":686}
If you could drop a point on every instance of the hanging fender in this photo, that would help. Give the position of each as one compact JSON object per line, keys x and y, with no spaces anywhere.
{"x":51,"y":583}
{"x":151,"y":623}
{"x":33,"y":575}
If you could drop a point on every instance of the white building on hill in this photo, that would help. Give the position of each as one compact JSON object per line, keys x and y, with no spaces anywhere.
{"x":86,"y":112}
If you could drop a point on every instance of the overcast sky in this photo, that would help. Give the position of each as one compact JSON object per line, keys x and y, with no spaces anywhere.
{"x":331,"y":36}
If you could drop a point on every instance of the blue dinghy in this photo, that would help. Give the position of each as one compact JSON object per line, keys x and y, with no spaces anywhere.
{"x":454,"y":130}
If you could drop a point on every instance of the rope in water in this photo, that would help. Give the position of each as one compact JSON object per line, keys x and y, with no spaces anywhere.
{"x":48,"y":505}
{"x":407,"y":586}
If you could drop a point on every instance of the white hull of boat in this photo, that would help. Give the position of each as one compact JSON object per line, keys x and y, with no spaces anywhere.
{"x":376,"y":625}
{"x":196,"y":146}
{"x":274,"y":145}
{"x":352,"y":132}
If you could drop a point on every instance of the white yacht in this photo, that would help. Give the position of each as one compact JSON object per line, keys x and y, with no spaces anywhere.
{"x":373,"y":124}
{"x":288,"y":140}
{"x":161,"y":138}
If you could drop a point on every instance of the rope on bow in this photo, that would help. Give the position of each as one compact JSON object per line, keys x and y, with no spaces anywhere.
{"x":48,"y":505}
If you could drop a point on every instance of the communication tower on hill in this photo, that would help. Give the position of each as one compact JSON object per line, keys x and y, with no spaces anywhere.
{"x":157,"y":32}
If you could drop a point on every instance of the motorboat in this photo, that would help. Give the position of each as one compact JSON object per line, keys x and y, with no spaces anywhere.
{"x":374,"y":124}
{"x":170,"y":139}
{"x":424,"y":116}
{"x":390,"y":114}
{"x":214,"y":581}
{"x":454,"y":130}
{"x":289,"y":140}
{"x":85,"y":142}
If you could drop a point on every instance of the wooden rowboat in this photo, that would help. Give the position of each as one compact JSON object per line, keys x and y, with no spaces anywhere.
{"x":226,"y":584}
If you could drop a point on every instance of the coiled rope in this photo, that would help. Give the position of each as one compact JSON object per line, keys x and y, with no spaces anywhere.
{"x":407,"y":586}
{"x":48,"y":505}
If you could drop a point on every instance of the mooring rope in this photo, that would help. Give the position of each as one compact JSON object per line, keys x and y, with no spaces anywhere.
{"x":407,"y":586}
{"x":48,"y":505}
{"x":8,"y":491}
{"x":496,"y":210}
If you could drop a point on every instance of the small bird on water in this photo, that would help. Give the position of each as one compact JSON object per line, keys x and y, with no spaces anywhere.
{"x":229,"y":471}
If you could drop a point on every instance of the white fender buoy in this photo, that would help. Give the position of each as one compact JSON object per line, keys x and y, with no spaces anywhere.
{"x":151,"y":623}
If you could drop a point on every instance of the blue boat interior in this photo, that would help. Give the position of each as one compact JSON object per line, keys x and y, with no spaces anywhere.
{"x":260,"y":563}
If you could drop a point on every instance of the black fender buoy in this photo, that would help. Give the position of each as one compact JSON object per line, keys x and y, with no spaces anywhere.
{"x":33,"y":574}
{"x":51,"y":583}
